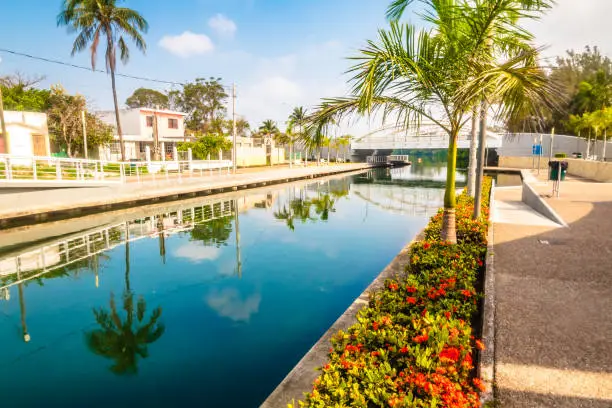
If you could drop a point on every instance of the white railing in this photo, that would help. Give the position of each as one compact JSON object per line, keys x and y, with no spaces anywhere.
{"x":25,"y":169}
{"x":38,"y":260}
{"x":376,"y":159}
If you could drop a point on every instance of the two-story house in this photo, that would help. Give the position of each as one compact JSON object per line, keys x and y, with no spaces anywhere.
{"x":138,"y":126}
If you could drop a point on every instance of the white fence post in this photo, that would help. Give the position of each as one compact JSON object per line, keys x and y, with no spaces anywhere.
{"x":58,"y":169}
{"x":34,"y":175}
{"x":189,"y":159}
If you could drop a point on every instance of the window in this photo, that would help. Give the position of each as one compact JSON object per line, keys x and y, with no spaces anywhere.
{"x":142,"y":147}
{"x":149,"y":121}
{"x":172,"y":123}
{"x":169,"y":147}
{"x":115,"y":148}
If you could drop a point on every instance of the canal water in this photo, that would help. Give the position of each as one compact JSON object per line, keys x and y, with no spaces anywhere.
{"x":208,"y":302}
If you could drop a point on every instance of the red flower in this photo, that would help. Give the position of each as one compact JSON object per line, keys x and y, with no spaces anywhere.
{"x":450,"y":354}
{"x":466,"y":293}
{"x":393,"y":286}
{"x":375,"y":353}
{"x":421,"y":338}
{"x":403,"y":350}
{"x":467,"y":361}
{"x":411,"y":300}
{"x":480,"y":345}
{"x":424,"y":312}
{"x":447,"y":315}
{"x":479,"y":262}
{"x":375,"y":326}
{"x":426,"y":246}
{"x":411,"y":289}
{"x":479,"y":384}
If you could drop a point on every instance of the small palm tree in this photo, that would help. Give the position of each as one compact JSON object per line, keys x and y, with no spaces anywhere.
{"x":268,"y":128}
{"x":93,"y":19}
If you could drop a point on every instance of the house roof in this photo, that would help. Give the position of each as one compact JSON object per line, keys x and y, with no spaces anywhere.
{"x":169,"y":112}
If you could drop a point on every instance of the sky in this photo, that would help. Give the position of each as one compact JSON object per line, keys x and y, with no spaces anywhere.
{"x":279,"y":53}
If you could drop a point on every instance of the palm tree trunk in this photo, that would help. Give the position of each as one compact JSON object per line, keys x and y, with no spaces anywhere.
{"x":471,"y":176}
{"x":449,"y":232}
{"x":481,"y":159}
{"x":127,"y":257}
{"x":588,"y":145}
{"x":603,"y":149}
{"x":119,"y":132}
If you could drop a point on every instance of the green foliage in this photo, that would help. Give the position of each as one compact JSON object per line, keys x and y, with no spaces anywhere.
{"x":204,"y":103}
{"x":560,"y":155}
{"x":205,"y":145}
{"x":21,"y":98}
{"x":148,"y":98}
{"x":413,"y":345}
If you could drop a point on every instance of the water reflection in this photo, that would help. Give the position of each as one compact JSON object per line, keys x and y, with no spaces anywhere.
{"x":157,"y":293}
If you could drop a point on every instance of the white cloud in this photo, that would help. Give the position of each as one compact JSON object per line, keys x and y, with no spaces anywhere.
{"x":222,"y":25}
{"x":572,"y":24}
{"x":229,"y":303}
{"x":187,"y":44}
{"x":197,"y":253}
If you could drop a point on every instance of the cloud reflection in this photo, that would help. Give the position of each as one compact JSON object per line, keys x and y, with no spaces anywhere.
{"x":229,"y":303}
{"x":197,"y":253}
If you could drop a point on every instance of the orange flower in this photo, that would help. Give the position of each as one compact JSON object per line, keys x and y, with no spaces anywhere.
{"x":479,"y":384}
{"x":480,"y":345}
{"x":421,"y":338}
{"x":411,"y":300}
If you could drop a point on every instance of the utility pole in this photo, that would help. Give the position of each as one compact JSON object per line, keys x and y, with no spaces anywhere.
{"x":84,"y":133}
{"x":4,"y":135}
{"x":234,"y":158}
{"x":156,"y":155}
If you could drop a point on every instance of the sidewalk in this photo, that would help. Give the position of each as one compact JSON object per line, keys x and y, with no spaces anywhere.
{"x":554,"y":302}
{"x":33,"y":206}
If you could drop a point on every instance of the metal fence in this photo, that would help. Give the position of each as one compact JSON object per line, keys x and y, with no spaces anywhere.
{"x":26,"y":169}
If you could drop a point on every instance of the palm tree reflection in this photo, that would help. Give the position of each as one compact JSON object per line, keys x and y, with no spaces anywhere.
{"x":125,"y":339}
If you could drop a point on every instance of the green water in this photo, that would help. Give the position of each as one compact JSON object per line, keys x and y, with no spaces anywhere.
{"x":207,"y":302}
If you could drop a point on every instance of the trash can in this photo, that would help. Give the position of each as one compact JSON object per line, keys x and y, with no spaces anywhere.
{"x":555,"y":167}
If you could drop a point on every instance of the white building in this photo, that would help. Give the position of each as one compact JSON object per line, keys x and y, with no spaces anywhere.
{"x":27,"y":134}
{"x":138,"y":126}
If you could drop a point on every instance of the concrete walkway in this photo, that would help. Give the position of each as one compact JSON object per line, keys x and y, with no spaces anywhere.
{"x":33,"y":206}
{"x":554,"y":299}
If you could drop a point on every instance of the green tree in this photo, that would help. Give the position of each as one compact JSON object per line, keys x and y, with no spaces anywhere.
{"x":204,"y":145}
{"x":93,"y":19}
{"x":204,"y":103}
{"x":406,"y":73}
{"x":268,"y":128}
{"x":20,"y":98}
{"x":295,"y":128}
{"x":147,"y":98}
{"x":214,"y":232}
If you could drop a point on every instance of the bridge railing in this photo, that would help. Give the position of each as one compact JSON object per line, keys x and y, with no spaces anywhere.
{"x":24,"y":169}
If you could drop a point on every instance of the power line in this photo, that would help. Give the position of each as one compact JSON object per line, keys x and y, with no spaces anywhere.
{"x":68,"y":64}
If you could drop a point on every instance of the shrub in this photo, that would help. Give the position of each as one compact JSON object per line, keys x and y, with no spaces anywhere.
{"x":412,"y":345}
{"x":560,"y":155}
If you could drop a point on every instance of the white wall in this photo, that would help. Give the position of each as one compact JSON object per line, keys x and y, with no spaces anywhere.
{"x":520,"y":144}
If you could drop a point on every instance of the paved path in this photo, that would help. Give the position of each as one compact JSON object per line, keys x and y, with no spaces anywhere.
{"x":51,"y":203}
{"x":554,"y":301}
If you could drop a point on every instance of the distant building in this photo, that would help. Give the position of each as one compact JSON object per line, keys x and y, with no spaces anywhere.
{"x":27,"y":134}
{"x":138,"y":126}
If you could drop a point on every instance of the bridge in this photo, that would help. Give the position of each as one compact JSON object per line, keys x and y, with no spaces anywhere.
{"x":425,"y":137}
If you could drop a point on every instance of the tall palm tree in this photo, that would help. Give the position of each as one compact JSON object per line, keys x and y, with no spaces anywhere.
{"x":268,"y":128}
{"x":93,"y":19}
{"x":295,"y":127}
{"x":436,"y":74}
{"x":493,"y":25}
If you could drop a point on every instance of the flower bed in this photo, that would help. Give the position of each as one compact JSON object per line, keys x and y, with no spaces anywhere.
{"x":414,"y":344}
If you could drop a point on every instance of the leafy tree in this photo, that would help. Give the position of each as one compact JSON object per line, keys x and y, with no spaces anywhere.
{"x":147,"y":98}
{"x":206,"y":144}
{"x":92,"y":20}
{"x":21,"y":98}
{"x":203,"y":101}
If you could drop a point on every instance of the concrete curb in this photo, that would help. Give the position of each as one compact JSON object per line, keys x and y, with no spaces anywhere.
{"x":533,"y":199}
{"x":486,"y":362}
{"x":302,"y":376}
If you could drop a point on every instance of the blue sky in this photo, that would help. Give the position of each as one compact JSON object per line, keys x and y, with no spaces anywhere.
{"x":280,"y":53}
